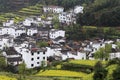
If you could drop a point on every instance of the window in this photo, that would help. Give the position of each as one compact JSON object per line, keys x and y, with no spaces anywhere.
{"x":44,"y":52}
{"x":32,"y":53}
{"x":38,"y":57}
{"x":32,"y":65}
{"x":38,"y":62}
{"x":32,"y":59}
{"x":38,"y":52}
{"x":92,"y":49}
{"x":44,"y":58}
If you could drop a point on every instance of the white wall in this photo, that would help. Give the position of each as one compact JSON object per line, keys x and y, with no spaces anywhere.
{"x":56,"y":33}
{"x":31,"y":31}
{"x":4,"y":42}
{"x":54,"y":9}
{"x":27,"y":55}
{"x":78,"y":9}
{"x":114,"y":55}
{"x":66,"y":17}
{"x":70,"y":55}
{"x":19,"y":32}
{"x":8,"y":23}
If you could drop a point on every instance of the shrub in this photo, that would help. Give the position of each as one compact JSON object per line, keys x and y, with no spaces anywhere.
{"x":77,"y":67}
{"x":114,"y":61}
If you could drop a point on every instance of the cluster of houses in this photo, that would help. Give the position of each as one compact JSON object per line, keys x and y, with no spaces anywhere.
{"x":64,"y":17}
{"x":18,"y":42}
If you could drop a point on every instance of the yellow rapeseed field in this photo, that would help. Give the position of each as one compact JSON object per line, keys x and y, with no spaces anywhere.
{"x":61,"y":73}
{"x":86,"y":62}
{"x":6,"y":78}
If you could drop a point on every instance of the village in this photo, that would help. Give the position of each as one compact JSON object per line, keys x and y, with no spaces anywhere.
{"x":35,"y":40}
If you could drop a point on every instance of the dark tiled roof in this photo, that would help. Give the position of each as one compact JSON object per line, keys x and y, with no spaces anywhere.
{"x":11,"y":51}
{"x":43,"y":29}
{"x":29,"y":27}
{"x":14,"y":59}
{"x":58,"y":38}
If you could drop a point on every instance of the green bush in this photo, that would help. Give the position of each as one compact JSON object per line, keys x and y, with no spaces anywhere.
{"x":113,"y":61}
{"x":77,"y":67}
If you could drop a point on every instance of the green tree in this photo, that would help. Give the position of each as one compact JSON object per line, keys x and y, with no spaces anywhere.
{"x":22,"y":71}
{"x":101,"y":13}
{"x":100,"y":72}
{"x":108,"y":50}
{"x":2,"y":63}
{"x":104,"y":52}
{"x":118,"y":45}
{"x":42,"y":44}
{"x":116,"y":74}
{"x":100,"y":54}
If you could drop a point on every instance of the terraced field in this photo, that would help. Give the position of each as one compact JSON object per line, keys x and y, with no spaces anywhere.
{"x":31,"y":10}
{"x":61,"y":73}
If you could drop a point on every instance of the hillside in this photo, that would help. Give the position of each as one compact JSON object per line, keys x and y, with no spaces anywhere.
{"x":101,"y":13}
{"x":15,"y":5}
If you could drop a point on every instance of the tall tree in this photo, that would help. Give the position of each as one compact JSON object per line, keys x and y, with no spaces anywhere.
{"x":100,"y":54}
{"x":116,"y":74}
{"x":100,"y":72}
{"x":2,"y":63}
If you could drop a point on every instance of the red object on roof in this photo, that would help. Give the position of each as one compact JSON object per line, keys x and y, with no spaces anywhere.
{"x":34,"y":49}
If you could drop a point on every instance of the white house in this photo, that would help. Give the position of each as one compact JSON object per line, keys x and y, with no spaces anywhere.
{"x":30,"y":21}
{"x":33,"y":57}
{"x":114,"y":55}
{"x":54,"y":33}
{"x":7,"y":30}
{"x":54,"y":9}
{"x":73,"y":55}
{"x":12,"y":31}
{"x":5,"y":42}
{"x":19,"y":31}
{"x":12,"y":56}
{"x":8,"y":23}
{"x":78,"y":9}
{"x":53,"y":51}
{"x":67,"y":18}
{"x":31,"y":31}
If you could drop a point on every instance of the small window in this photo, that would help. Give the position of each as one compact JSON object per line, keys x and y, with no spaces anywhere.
{"x":44,"y":52}
{"x":92,"y":49}
{"x":38,"y":62}
{"x":38,"y":57}
{"x":44,"y":58}
{"x":32,"y":59}
{"x":32,"y":65}
{"x":38,"y":52}
{"x":32,"y":53}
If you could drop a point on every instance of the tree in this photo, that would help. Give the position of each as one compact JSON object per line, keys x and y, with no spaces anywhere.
{"x":22,"y":71}
{"x":42,"y":44}
{"x":103,"y":53}
{"x":2,"y":63}
{"x":116,"y":74}
{"x":98,"y":13}
{"x":118,"y":45}
{"x":100,"y":54}
{"x":108,"y":50}
{"x":100,"y":72}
